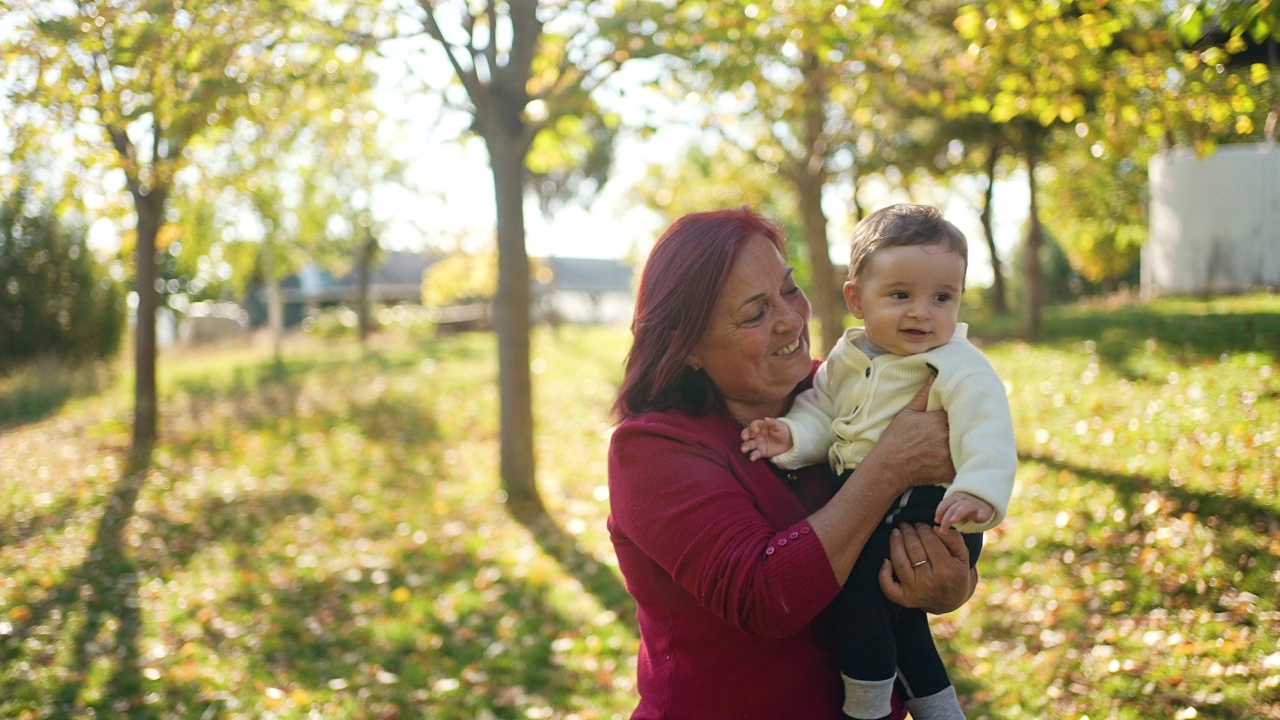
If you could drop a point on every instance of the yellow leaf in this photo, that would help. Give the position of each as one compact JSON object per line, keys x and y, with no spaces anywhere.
{"x":400,"y":594}
{"x":1244,"y":125}
{"x":20,"y":613}
{"x":1259,"y":73}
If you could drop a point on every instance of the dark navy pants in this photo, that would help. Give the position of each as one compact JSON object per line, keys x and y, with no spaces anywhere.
{"x":877,"y":639}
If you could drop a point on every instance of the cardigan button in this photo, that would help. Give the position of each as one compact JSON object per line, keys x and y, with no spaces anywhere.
{"x":794,"y":535}
{"x":782,"y":541}
{"x":804,"y":530}
{"x":769,"y":550}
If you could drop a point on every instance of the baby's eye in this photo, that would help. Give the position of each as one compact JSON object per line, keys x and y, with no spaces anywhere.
{"x":898,"y":295}
{"x":943,"y":297}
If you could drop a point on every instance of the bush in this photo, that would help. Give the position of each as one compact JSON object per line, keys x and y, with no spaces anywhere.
{"x":332,"y":323}
{"x":56,"y":298}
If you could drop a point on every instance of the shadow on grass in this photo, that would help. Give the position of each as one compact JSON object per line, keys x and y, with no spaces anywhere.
{"x":1229,"y":510}
{"x":1189,"y":338}
{"x":25,"y":524}
{"x":598,"y":578}
{"x":1241,"y":526}
{"x":100,"y":597}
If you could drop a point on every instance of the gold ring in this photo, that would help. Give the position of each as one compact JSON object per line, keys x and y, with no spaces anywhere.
{"x":918,"y":564}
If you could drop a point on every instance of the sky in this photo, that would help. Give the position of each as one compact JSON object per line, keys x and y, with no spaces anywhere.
{"x":451,"y":187}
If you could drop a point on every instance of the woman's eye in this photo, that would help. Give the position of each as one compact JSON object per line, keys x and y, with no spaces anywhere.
{"x":791,"y":290}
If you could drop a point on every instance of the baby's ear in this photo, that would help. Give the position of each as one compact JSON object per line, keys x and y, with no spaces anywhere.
{"x":852,"y":299}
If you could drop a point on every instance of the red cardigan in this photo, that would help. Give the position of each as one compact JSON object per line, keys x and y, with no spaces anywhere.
{"x":729,"y":579}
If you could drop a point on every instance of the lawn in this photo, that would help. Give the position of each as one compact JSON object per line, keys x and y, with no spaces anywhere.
{"x":326,"y":538}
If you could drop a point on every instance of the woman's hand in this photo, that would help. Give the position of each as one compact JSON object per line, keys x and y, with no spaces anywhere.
{"x":932,"y":569}
{"x":915,"y":447}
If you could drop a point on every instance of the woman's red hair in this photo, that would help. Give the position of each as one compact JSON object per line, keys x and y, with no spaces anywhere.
{"x":685,"y":273}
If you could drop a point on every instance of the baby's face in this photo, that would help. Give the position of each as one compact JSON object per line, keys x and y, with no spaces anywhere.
{"x":908,"y":297}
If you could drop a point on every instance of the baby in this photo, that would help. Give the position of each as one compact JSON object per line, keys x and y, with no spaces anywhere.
{"x":907,"y":271}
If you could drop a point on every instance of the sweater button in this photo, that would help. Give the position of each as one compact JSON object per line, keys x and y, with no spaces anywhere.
{"x":782,"y":541}
{"x":794,"y":535}
{"x":769,"y":550}
{"x":804,"y":530}
{"x":868,"y":372}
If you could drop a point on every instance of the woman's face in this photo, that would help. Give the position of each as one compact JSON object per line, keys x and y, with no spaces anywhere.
{"x":756,"y":346}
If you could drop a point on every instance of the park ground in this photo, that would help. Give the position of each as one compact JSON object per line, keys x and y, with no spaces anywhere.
{"x":326,"y":537}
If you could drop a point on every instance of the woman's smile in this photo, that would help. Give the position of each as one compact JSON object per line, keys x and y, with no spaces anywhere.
{"x":790,"y":349}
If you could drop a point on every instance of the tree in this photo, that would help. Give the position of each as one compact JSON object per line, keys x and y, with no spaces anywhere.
{"x":1095,"y":202}
{"x":156,"y":79}
{"x":1029,"y":67}
{"x":522,"y":71}
{"x":724,"y":178}
{"x":1229,"y":54}
{"x":789,"y":80}
{"x":56,"y":298}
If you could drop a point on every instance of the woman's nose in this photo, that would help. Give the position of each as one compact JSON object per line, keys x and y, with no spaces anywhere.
{"x":792,"y":320}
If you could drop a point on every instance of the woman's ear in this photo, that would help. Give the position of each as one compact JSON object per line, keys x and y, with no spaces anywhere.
{"x":852,"y":299}
{"x":693,"y":361}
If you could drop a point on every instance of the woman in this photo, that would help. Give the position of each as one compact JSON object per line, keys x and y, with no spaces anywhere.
{"x":732,"y":563}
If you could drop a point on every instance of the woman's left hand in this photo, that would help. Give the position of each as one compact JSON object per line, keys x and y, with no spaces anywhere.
{"x":931,"y":567}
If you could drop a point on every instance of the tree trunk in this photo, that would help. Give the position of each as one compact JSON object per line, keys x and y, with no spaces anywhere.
{"x":810,"y":176}
{"x":364,"y":268}
{"x":275,"y":302}
{"x":855,"y":204}
{"x":511,"y":318}
{"x":998,"y":302}
{"x":828,"y":301}
{"x":1032,"y":300}
{"x":150,"y":207}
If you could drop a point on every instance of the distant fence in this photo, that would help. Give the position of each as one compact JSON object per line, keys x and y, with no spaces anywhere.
{"x":455,"y":318}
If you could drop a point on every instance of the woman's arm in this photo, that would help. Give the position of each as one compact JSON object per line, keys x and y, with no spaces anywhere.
{"x":687,"y":508}
{"x":912,"y":451}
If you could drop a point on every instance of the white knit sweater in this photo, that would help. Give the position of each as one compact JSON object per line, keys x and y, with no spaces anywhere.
{"x":854,"y":397}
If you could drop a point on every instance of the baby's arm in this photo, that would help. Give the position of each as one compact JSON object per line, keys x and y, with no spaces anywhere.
{"x":765,"y":438}
{"x":959,"y":507}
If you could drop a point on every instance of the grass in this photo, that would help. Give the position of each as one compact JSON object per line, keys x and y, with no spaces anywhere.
{"x":324,"y":538}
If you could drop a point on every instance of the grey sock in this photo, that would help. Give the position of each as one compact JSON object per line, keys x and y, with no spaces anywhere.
{"x":868,"y":698}
{"x":941,"y":705}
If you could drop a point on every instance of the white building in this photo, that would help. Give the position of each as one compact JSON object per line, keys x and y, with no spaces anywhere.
{"x":1214,"y":221}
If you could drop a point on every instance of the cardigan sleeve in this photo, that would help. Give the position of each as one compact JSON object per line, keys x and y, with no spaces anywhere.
{"x":695,"y":511}
{"x":809,"y":421}
{"x":982,"y":442}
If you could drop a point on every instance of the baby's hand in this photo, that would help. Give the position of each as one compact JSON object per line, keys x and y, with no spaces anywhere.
{"x":765,"y":438}
{"x":960,"y":507}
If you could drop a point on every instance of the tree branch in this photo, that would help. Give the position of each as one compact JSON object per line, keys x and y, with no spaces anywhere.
{"x":526,"y":32}
{"x":470,"y":80}
{"x":491,"y":49}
